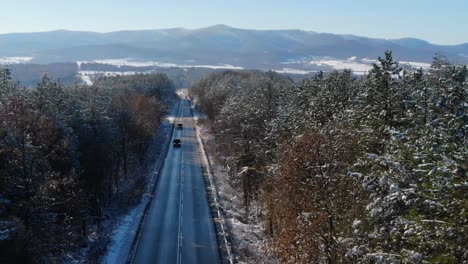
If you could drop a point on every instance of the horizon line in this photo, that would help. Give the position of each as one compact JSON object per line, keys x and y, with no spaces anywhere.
{"x":230,"y":27}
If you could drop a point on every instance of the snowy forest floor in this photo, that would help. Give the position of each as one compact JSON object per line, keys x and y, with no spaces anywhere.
{"x":246,"y":232}
{"x":123,"y":219}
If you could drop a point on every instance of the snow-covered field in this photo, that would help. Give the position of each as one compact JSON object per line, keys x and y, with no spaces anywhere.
{"x":108,"y":73}
{"x":15,"y":60}
{"x":350,"y":64}
{"x":141,"y":63}
{"x":303,"y":66}
{"x":87,"y":77}
{"x":413,"y":64}
{"x":293,"y":71}
{"x":355,"y":64}
{"x":369,"y":61}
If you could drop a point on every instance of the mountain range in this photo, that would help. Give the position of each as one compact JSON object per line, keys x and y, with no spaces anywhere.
{"x":218,"y":45}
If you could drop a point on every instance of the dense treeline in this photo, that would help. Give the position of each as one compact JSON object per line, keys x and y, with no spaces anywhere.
{"x":63,"y":154}
{"x":347,"y":169}
{"x":182,"y":77}
{"x":29,"y":74}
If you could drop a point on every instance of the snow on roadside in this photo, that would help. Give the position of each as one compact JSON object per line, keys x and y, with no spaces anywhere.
{"x":126,"y":229}
{"x":122,"y":237}
{"x":248,"y":237}
{"x":221,"y":221}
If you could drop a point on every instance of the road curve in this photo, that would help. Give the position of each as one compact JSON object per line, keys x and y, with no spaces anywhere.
{"x":179,"y":227}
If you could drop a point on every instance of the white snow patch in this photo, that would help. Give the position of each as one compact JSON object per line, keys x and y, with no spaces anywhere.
{"x":293,"y":71}
{"x":131,"y":62}
{"x":15,"y":60}
{"x":4,"y":234}
{"x":122,"y":238}
{"x":215,"y":67}
{"x":343,"y":64}
{"x":107,"y":73}
{"x":356,"y":223}
{"x":424,"y":66}
{"x":87,"y":76}
{"x":86,"y":79}
{"x":369,"y":61}
{"x":362,"y":67}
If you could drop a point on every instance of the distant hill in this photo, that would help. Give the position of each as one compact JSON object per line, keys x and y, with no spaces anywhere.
{"x":219,"y":44}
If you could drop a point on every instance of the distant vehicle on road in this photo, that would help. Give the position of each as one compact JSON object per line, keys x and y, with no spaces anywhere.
{"x":180,"y":126}
{"x":177,"y":143}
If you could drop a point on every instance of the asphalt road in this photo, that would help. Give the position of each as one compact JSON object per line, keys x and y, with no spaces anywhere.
{"x":179,"y":227}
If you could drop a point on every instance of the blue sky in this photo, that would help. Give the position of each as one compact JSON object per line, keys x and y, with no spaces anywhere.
{"x":441,"y":22}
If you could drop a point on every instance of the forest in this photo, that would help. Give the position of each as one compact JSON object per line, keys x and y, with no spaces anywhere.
{"x":65,"y":152}
{"x":338,"y":168}
{"x":348,"y":169}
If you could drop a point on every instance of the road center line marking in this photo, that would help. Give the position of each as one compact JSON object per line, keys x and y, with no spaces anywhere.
{"x":181,"y":204}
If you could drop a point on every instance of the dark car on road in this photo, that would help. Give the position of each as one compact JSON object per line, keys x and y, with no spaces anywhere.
{"x":177,"y":143}
{"x":180,"y":126}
